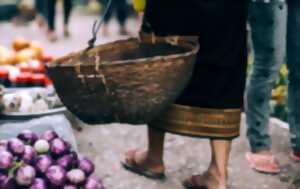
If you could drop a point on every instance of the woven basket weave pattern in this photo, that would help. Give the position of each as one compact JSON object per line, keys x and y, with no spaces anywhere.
{"x":126,"y":91}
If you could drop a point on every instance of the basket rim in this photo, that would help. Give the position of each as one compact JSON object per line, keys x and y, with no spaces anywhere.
{"x":194,"y":48}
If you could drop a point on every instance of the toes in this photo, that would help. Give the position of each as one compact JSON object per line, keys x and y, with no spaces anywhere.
{"x":130,"y":156}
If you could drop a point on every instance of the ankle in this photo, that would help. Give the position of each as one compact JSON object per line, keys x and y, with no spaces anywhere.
{"x":263,"y":152}
{"x":153,"y":158}
{"x":220,"y":175}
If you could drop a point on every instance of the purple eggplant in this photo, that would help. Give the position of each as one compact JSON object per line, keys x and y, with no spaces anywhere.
{"x":49,"y":135}
{"x":25,"y":175}
{"x":3,"y":144}
{"x":87,"y":166}
{"x":76,"y":176}
{"x":6,"y":159}
{"x":29,"y":155}
{"x":16,"y":146}
{"x":39,"y":183}
{"x":59,"y":147}
{"x":93,"y":183}
{"x":7,"y":182}
{"x":67,"y":161}
{"x":42,"y":146}
{"x":28,"y":137}
{"x":70,"y":187}
{"x":43,"y":162}
{"x":56,"y":175}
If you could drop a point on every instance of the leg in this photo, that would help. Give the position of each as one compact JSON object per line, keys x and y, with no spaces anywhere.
{"x":220,"y":156}
{"x":122,"y":13}
{"x":268,"y":39}
{"x":51,"y":20}
{"x":293,"y":62}
{"x":40,"y":13}
{"x":107,"y":17}
{"x":67,"y":11}
{"x":216,"y":176}
{"x":150,"y":160}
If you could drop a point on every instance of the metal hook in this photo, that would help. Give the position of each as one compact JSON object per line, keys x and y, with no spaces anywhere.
{"x":96,"y":27}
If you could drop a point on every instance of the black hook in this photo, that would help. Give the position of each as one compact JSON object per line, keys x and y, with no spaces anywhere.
{"x":96,"y":27}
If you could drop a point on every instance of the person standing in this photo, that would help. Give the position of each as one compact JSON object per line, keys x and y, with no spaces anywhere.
{"x":120,"y":8}
{"x":210,"y":106}
{"x":67,"y":4}
{"x":275,"y":33}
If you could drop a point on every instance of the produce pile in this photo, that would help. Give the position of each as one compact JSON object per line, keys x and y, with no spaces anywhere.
{"x":45,"y":161}
{"x":278,"y":103}
{"x":35,"y":100}
{"x":279,"y":107}
{"x":139,"y":5}
{"x":23,"y":65}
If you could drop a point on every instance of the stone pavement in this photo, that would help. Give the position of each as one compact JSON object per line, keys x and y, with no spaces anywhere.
{"x":80,"y":28}
{"x":184,"y":156}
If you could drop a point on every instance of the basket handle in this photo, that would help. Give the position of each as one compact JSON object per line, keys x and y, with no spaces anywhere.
{"x":96,"y":27}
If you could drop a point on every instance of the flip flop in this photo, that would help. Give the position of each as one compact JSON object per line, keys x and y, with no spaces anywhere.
{"x":271,"y":166}
{"x":294,"y":156}
{"x":134,"y":167}
{"x":192,"y":183}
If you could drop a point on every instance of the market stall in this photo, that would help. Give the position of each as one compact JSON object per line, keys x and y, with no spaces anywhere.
{"x":38,"y":149}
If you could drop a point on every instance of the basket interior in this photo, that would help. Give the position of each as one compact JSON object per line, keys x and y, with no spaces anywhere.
{"x":142,"y":50}
{"x":128,"y":50}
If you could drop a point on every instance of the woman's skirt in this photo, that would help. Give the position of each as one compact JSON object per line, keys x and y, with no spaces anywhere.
{"x":211,"y":104}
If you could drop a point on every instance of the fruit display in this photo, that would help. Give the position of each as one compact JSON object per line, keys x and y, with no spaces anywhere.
{"x":45,"y":161}
{"x":23,"y":65}
{"x":279,"y":107}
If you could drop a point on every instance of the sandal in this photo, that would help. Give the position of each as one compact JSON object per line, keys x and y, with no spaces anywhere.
{"x":266,"y":164}
{"x":131,"y":165}
{"x":294,"y":156}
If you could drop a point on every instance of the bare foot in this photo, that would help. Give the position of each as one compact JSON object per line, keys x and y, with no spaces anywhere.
{"x":144,"y":162}
{"x":105,"y":31}
{"x":52,"y":37}
{"x":208,"y":180}
{"x":123,"y":31}
{"x":66,"y":32}
{"x":40,"y":20}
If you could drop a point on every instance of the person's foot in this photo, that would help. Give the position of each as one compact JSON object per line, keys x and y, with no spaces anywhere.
{"x":295,"y":156}
{"x":123,"y":31}
{"x":105,"y":31}
{"x":139,"y":162}
{"x":263,"y":162}
{"x":208,"y":180}
{"x":66,"y":32}
{"x":40,"y":20}
{"x":52,"y":37}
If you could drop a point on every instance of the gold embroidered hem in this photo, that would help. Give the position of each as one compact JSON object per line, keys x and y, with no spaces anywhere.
{"x":200,"y":122}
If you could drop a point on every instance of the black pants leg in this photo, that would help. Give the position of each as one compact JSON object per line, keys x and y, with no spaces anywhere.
{"x":40,"y":7}
{"x":109,"y":14}
{"x":51,"y":14}
{"x":122,"y":11}
{"x":67,"y":10}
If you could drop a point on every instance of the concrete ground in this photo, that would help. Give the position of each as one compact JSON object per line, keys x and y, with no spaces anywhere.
{"x":184,"y":156}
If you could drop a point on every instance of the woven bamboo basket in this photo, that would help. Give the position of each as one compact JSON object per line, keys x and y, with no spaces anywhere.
{"x":127,"y":81}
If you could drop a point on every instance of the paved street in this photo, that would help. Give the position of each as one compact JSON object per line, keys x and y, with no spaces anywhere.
{"x":184,"y":156}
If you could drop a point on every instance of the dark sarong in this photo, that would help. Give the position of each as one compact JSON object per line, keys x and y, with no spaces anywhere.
{"x":210,"y":106}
